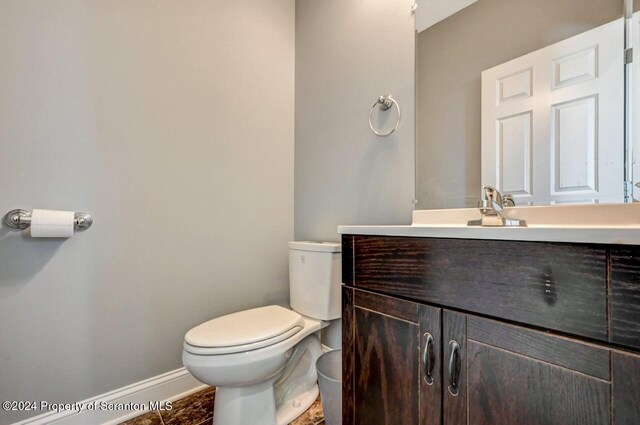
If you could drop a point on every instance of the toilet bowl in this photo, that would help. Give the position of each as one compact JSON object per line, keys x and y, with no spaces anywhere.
{"x":262,"y":360}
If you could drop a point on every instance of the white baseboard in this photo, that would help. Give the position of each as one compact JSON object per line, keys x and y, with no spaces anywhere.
{"x":169,"y":386}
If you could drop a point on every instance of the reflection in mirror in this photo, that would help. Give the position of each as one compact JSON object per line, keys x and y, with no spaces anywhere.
{"x":526,"y":96}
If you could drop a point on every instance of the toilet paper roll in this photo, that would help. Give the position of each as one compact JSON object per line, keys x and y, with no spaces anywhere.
{"x":52,"y":224}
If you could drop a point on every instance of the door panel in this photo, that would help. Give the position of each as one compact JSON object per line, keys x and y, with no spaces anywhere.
{"x":521,"y":376}
{"x":515,"y":153}
{"x":386,"y":369}
{"x":391,"y":360}
{"x":626,"y":384}
{"x":574,"y":149}
{"x":510,"y":389}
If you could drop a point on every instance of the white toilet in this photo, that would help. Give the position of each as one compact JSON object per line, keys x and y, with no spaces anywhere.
{"x":262,"y":360}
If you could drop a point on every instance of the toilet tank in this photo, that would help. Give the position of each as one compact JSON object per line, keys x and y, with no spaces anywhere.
{"x":315,"y":275}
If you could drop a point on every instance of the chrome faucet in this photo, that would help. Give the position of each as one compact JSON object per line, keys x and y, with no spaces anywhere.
{"x":491,"y":206}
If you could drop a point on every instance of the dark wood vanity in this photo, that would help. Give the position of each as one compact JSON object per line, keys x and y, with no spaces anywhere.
{"x":482,"y":332}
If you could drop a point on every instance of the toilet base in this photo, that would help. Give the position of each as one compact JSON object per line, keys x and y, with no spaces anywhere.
{"x":256,"y":405}
{"x":290,"y":412}
{"x":279,"y":400}
{"x":245,"y":405}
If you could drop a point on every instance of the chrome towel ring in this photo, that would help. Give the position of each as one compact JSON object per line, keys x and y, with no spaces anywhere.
{"x":385,"y":102}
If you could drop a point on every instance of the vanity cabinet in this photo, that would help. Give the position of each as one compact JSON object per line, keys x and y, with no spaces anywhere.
{"x":432,"y":334}
{"x":391,"y":343}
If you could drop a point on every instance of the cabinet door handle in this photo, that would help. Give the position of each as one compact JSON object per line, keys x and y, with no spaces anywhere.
{"x":427,"y":358}
{"x":454,"y":369}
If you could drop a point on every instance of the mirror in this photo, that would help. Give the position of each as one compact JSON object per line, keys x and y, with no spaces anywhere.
{"x":527,"y":96}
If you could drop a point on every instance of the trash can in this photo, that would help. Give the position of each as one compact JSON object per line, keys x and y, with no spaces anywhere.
{"x":329,"y":368}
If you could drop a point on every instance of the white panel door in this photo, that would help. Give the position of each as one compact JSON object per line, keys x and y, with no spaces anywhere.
{"x":553,"y":121}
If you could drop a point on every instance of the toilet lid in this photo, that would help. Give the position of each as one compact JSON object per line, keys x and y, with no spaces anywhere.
{"x":258,"y":327}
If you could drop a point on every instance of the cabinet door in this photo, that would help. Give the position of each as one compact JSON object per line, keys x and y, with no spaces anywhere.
{"x":499,"y":374}
{"x":626,"y":388}
{"x":391,"y":367}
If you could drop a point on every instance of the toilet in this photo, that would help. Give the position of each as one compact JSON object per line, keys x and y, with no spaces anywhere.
{"x":262,"y":360}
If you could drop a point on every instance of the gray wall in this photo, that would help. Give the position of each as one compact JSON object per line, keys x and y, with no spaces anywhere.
{"x":347,"y":54}
{"x":450,"y":58}
{"x":172,"y":124}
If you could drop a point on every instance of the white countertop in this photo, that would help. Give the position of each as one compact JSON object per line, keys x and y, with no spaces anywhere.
{"x":601,"y":224}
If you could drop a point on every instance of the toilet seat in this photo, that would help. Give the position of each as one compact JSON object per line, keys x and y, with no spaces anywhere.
{"x":213,"y":351}
{"x":244,"y":331}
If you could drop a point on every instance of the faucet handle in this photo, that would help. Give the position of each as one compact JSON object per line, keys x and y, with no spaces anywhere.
{"x":491,"y":193}
{"x":508,"y":201}
{"x":490,"y":199}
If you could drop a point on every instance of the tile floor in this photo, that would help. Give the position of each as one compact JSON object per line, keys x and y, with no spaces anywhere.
{"x":197,"y":409}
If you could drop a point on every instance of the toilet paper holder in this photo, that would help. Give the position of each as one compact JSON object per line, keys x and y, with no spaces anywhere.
{"x":21,"y":219}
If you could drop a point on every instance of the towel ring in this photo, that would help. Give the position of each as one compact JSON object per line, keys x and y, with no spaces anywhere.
{"x":385,"y":102}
